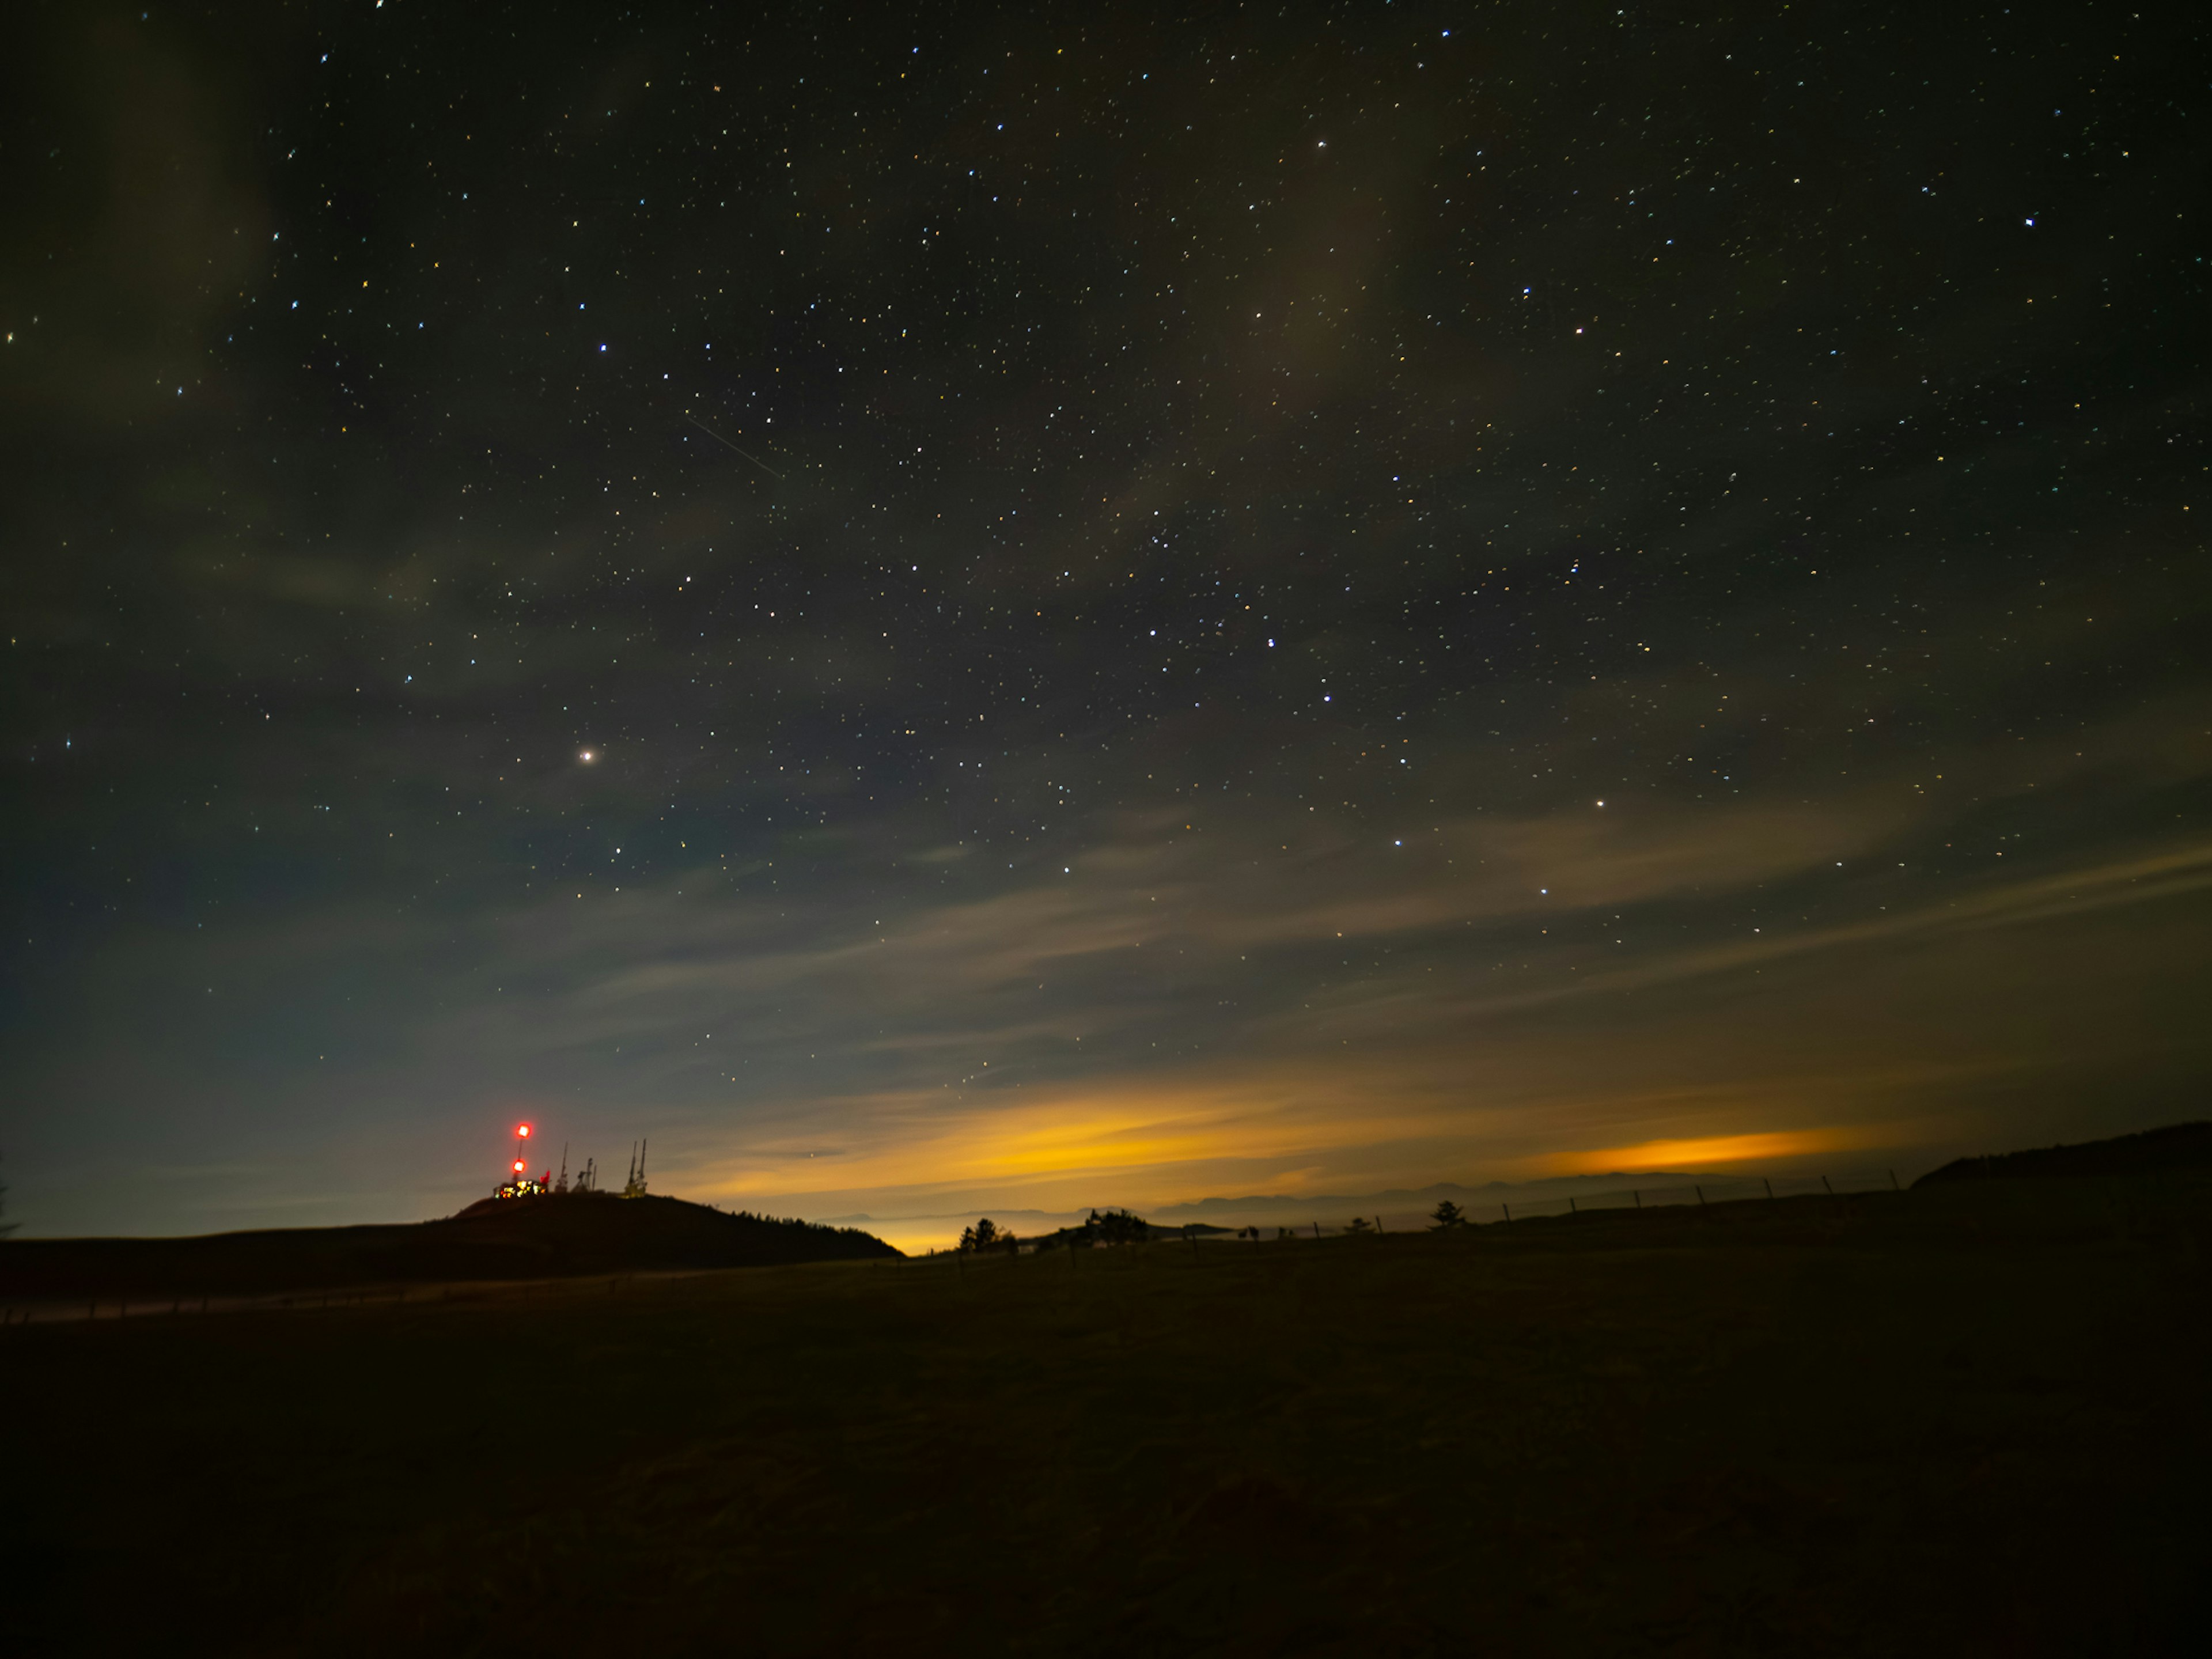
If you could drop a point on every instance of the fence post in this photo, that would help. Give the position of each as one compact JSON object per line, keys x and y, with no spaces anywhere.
{"x":1700,"y":1192}
{"x":1508,"y":1208}
{"x":1316,"y":1229}
{"x":1639,"y":1200}
{"x":1894,"y":1187}
{"x":1770,"y":1187}
{"x":1378,"y":1225}
{"x":1831,"y":1191}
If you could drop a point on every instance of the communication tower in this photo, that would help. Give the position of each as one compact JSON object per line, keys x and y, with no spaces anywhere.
{"x":522,"y":1186}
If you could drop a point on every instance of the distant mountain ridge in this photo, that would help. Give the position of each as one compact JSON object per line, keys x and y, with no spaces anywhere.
{"x":2175,"y":1146}
{"x":556,"y":1235}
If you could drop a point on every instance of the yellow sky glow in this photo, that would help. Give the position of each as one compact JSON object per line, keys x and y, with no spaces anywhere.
{"x":1101,"y":1132}
{"x":1705,"y":1150}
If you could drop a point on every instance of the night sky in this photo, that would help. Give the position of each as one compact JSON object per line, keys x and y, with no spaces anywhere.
{"x":1007,"y":611}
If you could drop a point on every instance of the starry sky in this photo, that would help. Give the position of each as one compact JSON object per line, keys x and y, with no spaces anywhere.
{"x":1017,"y":609}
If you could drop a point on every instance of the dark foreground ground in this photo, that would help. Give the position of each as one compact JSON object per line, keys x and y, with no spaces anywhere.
{"x":1965,"y":1420}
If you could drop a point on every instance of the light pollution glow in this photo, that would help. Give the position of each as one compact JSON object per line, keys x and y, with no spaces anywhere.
{"x":1706,"y":1152}
{"x":1385,"y":1090}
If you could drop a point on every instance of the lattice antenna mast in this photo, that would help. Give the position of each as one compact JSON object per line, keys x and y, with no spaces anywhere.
{"x":635,"y":1187}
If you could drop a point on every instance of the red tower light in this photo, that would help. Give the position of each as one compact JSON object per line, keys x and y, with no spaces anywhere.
{"x":521,"y":1186}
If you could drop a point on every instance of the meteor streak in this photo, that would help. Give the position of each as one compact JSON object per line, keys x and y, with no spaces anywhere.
{"x":727,"y":445}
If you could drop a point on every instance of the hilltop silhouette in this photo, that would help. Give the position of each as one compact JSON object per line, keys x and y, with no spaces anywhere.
{"x":541,"y":1237}
{"x":2175,"y":1146}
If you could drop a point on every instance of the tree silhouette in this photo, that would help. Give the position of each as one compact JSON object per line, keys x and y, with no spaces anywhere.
{"x":983,"y":1236}
{"x":1359,"y":1225}
{"x":1114,"y":1227}
{"x":1446,"y":1216}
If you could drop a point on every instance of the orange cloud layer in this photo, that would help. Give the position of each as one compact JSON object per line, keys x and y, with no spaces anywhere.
{"x":1705,"y":1150}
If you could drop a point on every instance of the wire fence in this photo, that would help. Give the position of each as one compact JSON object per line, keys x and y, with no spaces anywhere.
{"x":1665,"y":1193}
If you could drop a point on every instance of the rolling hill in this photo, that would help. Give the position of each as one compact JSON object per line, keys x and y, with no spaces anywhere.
{"x":546,"y":1237}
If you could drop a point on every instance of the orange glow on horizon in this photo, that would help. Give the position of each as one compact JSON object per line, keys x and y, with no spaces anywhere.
{"x":1696,"y":1153}
{"x":1280,"y":1130}
{"x":1167,"y":1144}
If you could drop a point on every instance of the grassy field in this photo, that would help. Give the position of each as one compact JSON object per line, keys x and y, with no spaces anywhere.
{"x":1961,"y":1420}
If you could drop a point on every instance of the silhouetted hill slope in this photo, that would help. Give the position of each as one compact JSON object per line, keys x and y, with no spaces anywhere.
{"x":2176,"y":1146}
{"x":510,"y":1238}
